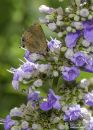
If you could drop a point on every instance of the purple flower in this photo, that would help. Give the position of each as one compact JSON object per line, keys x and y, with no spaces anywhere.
{"x":71,"y":39}
{"x":70,"y":73}
{"x":34,"y":96}
{"x":18,"y":74}
{"x":73,"y":113}
{"x":27,"y":55}
{"x":88,"y":99}
{"x":52,"y":102}
{"x":89,"y":65}
{"x":32,"y":57}
{"x":54,"y":45}
{"x":8,"y":123}
{"x":79,"y":59}
{"x":25,"y":71}
{"x":88,"y":30}
{"x":28,"y":67}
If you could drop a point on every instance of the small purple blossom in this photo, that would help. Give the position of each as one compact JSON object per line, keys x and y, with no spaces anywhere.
{"x":73,"y":113}
{"x":79,"y":59}
{"x":88,"y":99}
{"x":70,"y":73}
{"x":27,"y":55}
{"x":54,"y":45}
{"x":52,"y":102}
{"x":32,"y":57}
{"x":18,"y":76}
{"x":8,"y":123}
{"x":28,"y":67}
{"x":71,"y":39}
{"x":88,"y":30}
{"x":89,"y":65}
{"x":25,"y":71}
{"x":34,"y":96}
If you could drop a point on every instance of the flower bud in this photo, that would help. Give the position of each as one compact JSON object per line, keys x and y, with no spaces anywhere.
{"x":59,"y":17}
{"x":71,"y":15}
{"x":90,"y":17}
{"x":45,"y":9}
{"x":76,"y":18}
{"x":85,"y":43}
{"x":59,"y":11}
{"x":69,"y":53}
{"x":60,"y":126}
{"x":25,"y":125}
{"x":84,"y":12}
{"x":56,"y":120}
{"x":52,"y":26}
{"x":15,"y":112}
{"x":59,"y":23}
{"x":36,"y":127}
{"x":55,"y":73}
{"x":68,"y":10}
{"x":16,"y":128}
{"x":38,"y":83}
{"x":84,"y":83}
{"x":77,"y":25}
{"x":60,"y":34}
{"x":69,"y":29}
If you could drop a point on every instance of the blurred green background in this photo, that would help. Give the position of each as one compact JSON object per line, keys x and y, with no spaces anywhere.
{"x":15,"y":17}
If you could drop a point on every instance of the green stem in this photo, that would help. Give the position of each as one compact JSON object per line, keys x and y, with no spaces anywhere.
{"x":55,"y":83}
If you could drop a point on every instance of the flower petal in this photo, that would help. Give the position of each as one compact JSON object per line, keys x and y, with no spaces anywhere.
{"x":57,"y":105}
{"x":45,"y":106}
{"x":88,"y":34}
{"x":71,"y":39}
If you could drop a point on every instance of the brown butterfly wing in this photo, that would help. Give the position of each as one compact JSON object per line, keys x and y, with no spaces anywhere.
{"x":34,"y":39}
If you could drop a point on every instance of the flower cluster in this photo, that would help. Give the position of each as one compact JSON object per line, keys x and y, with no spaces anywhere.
{"x":88,"y":99}
{"x":52,"y":102}
{"x":64,"y":106}
{"x":76,"y":29}
{"x":27,"y":71}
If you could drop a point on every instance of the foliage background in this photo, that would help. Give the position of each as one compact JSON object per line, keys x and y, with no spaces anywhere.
{"x":15,"y":17}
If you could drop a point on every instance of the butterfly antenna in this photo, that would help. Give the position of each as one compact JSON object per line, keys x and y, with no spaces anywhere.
{"x":21,"y":60}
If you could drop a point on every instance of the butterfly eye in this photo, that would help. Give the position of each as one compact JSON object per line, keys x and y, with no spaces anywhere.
{"x":23,"y":39}
{"x":23,"y":42}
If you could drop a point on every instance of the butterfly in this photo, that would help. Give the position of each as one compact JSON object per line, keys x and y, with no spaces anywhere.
{"x":33,"y":39}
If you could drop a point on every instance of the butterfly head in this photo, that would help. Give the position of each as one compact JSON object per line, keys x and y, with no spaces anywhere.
{"x":23,"y":41}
